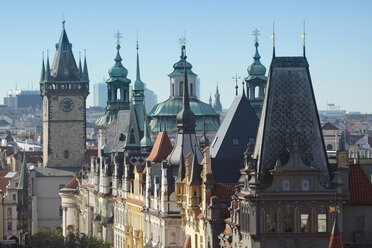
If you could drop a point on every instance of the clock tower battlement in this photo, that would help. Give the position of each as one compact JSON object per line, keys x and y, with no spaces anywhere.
{"x":64,"y":88}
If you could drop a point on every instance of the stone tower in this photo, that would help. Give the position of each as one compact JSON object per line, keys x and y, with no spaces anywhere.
{"x":64,"y":88}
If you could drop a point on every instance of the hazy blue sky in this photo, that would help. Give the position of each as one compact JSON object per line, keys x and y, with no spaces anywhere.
{"x":220,"y":43}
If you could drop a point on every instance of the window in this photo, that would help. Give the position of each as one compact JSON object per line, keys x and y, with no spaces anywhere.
{"x":305,"y":223}
{"x":66,"y":154}
{"x":181,"y":88}
{"x":16,"y":184}
{"x":9,"y":226}
{"x":286,"y":184}
{"x":251,"y":141}
{"x":329,"y":147}
{"x":235,"y":141}
{"x":359,"y":223}
{"x":9,"y":212}
{"x":194,"y":193}
{"x":191,"y":90}
{"x":270,"y":223}
{"x":117,"y":95}
{"x":287,"y":222}
{"x":172,"y":89}
{"x":14,"y":197}
{"x":305,"y":185}
{"x":322,"y":222}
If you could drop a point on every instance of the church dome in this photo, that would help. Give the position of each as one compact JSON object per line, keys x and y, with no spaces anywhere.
{"x":118,"y":70}
{"x":180,"y":66}
{"x":256,"y":68}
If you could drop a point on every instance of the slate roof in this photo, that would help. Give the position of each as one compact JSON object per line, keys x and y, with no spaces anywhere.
{"x":240,"y":123}
{"x":329,"y":126}
{"x":55,"y":172}
{"x":124,"y":137}
{"x":161,"y":149}
{"x":289,"y":117}
{"x":360,"y":186}
{"x":64,"y":66}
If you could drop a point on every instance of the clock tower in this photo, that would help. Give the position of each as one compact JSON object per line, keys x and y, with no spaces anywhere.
{"x":64,"y":88}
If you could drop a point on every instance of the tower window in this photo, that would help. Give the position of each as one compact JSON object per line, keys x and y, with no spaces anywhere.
{"x":172,"y":89}
{"x":181,"y":88}
{"x":66,"y":154}
{"x":322,"y":222}
{"x":191,"y":90}
{"x":305,"y":185}
{"x":118,"y":94}
{"x":287,"y":222}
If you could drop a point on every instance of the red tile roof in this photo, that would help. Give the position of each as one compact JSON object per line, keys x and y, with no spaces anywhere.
{"x":224,"y":193}
{"x":92,"y":151}
{"x":134,"y":201}
{"x":161,"y":149}
{"x":360,"y":186}
{"x":329,"y":126}
{"x":335,"y":241}
{"x":72,"y":184}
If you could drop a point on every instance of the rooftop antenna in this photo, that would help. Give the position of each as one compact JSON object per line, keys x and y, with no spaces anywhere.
{"x":118,"y":36}
{"x":303,"y":37}
{"x":236,"y":83}
{"x":273,"y":37}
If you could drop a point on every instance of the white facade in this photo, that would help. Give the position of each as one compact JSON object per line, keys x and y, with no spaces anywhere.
{"x":10,"y":202}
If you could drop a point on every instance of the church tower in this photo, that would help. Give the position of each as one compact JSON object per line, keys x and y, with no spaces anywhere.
{"x":64,"y":88}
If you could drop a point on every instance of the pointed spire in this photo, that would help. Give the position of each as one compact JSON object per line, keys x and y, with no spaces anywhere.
{"x":23,"y":178}
{"x":145,"y":141}
{"x":303,"y":37}
{"x":195,"y":178}
{"x":138,"y":84}
{"x":236,"y":83}
{"x":273,"y":37}
{"x":85,"y":70}
{"x":80,"y":67}
{"x":243,"y":88}
{"x":210,"y":98}
{"x":47,"y":68}
{"x":42,"y":76}
{"x":204,"y":141}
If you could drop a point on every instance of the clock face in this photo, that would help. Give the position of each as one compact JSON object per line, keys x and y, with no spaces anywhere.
{"x":66,"y":104}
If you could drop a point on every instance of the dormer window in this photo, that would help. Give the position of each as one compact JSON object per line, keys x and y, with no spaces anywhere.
{"x":235,"y":141}
{"x":305,"y":185}
{"x":286,"y":185}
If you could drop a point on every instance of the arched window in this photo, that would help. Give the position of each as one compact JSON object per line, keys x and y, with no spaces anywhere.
{"x":117,"y":95}
{"x":329,"y":147}
{"x":270,"y":220}
{"x":181,"y":88}
{"x":305,"y":220}
{"x":256,"y":92}
{"x":288,"y":220}
{"x":172,"y":89}
{"x":191,"y":90}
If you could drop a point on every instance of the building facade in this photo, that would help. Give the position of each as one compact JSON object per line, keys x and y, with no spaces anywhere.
{"x":99,"y":95}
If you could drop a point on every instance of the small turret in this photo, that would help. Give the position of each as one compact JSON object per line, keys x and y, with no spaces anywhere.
{"x":85,"y":70}
{"x":42,"y":76}
{"x":217,"y":106}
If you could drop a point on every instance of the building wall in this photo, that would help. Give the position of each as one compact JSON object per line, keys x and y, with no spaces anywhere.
{"x":357,"y":223}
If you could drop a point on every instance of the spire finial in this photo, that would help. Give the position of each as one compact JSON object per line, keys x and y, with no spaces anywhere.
{"x":303,"y":37}
{"x":236,"y":83}
{"x":256,"y":33}
{"x":273,"y":37}
{"x":182,"y":41}
{"x":118,"y":36}
{"x":243,"y":88}
{"x":63,"y":22}
{"x":42,"y":76}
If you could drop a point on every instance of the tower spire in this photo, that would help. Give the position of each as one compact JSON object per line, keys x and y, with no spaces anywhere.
{"x":85,"y":69}
{"x":42,"y":76}
{"x":145,"y":141}
{"x":303,"y":37}
{"x":273,"y":37}
{"x":204,"y":141}
{"x":47,"y":69}
{"x":80,"y":67}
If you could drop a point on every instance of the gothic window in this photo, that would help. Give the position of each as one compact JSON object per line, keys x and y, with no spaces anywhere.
{"x":256,"y":92}
{"x":181,"y":88}
{"x":270,"y":220}
{"x":322,"y":222}
{"x":329,"y":147}
{"x":191,"y":90}
{"x":305,"y":223}
{"x":117,"y":95}
{"x":288,"y":221}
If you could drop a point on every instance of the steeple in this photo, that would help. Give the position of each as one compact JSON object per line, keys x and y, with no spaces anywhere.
{"x":195,"y":178}
{"x":217,"y":106}
{"x":23,"y":178}
{"x":186,"y":137}
{"x":47,"y":68}
{"x":64,"y":67}
{"x":145,"y":141}
{"x":42,"y":76}
{"x":138,"y":84}
{"x":204,"y":141}
{"x":80,"y":67}
{"x":210,"y":99}
{"x":85,"y":70}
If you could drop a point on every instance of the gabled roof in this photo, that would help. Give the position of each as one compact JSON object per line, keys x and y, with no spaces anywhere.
{"x":71,"y":186}
{"x":360,"y":186}
{"x":289,"y":118}
{"x":240,"y":125}
{"x":161,"y":149}
{"x":329,"y":126}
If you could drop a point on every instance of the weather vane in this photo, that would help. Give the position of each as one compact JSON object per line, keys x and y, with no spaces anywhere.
{"x":182,"y":41}
{"x":118,"y":36}
{"x":236,"y":83}
{"x":256,"y":33}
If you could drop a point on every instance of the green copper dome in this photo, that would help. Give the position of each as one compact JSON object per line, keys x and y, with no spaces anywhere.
{"x":118,"y":71}
{"x":180,"y":65}
{"x":256,"y":69}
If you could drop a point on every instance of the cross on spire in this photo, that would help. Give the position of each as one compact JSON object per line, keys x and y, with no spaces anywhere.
{"x":118,"y":36}
{"x":182,"y":40}
{"x":303,"y":37}
{"x":236,"y":83}
{"x":256,"y":33}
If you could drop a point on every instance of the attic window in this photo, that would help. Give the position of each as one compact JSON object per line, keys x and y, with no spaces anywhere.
{"x":235,"y":141}
{"x":305,"y":184}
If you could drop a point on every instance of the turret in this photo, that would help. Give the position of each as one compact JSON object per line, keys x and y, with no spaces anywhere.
{"x":217,"y":106}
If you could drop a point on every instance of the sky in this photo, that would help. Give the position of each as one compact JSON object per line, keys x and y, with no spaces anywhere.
{"x":219,"y":42}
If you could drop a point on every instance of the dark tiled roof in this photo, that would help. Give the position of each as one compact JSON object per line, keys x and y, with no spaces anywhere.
{"x":329,"y":126}
{"x":240,"y":124}
{"x":289,"y":62}
{"x":360,"y":186}
{"x":161,"y":149}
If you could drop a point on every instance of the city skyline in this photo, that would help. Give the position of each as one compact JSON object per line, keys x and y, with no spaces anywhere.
{"x":216,"y":47}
